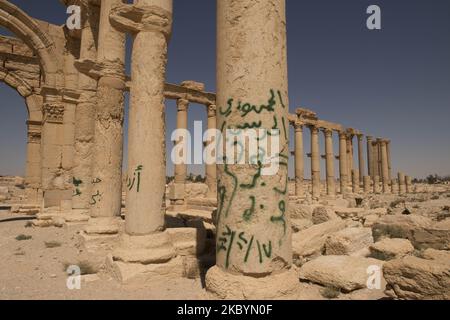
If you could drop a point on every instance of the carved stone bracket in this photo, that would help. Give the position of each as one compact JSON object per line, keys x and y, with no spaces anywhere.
{"x":53,"y":113}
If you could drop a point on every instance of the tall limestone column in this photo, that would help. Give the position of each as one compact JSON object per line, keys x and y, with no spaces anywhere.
{"x":33,"y":164}
{"x":329,"y":158}
{"x":379,"y":158}
{"x":85,"y":114}
{"x":367,"y":184}
{"x":361,"y":163}
{"x":343,"y":167}
{"x":254,"y":245}
{"x":408,"y":184}
{"x":370,"y":157}
{"x":401,"y":183}
{"x":146,"y":249}
{"x":388,"y":150}
{"x":315,"y":162}
{"x":210,"y":167}
{"x":177,"y":192}
{"x":106,"y":195}
{"x":350,"y":156}
{"x":384,"y":166}
{"x":299,"y":157}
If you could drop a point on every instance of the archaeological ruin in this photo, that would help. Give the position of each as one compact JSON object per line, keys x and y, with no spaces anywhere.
{"x":244,"y":234}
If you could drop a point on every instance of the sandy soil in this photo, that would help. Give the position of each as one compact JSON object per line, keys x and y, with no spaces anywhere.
{"x":30,"y":270}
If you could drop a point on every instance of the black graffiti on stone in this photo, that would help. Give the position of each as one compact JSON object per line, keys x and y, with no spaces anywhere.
{"x":136,"y":181}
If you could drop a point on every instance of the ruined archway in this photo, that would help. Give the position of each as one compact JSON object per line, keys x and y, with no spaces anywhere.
{"x":29,"y":31}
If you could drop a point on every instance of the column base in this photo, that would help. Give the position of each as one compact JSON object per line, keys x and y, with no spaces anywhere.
{"x":227,"y":286}
{"x":167,"y":255}
{"x":177,"y":194}
{"x":100,"y":234}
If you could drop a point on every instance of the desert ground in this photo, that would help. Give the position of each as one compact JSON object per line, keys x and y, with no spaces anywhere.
{"x":334,"y":242}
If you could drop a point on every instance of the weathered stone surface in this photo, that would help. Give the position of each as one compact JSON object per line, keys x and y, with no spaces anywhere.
{"x":226,"y":286}
{"x":388,"y":249}
{"x":343,"y":272}
{"x":300,"y":211}
{"x":310,"y":242}
{"x":348,"y":241}
{"x":415,"y":278}
{"x":422,"y":232}
{"x":323,"y":214}
{"x":348,"y":213}
{"x":187,"y":241}
{"x":301,"y":224}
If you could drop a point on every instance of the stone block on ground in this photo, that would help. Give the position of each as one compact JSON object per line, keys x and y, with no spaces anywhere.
{"x":323,"y":214}
{"x":388,"y":249}
{"x":341,"y":272}
{"x":418,"y":279}
{"x":347,"y":241}
{"x":309,"y":243}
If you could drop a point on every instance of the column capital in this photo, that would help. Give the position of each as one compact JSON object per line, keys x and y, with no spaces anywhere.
{"x":369,"y":138}
{"x":137,"y":18}
{"x":182,"y":104}
{"x":212,"y":110}
{"x":342,"y":135}
{"x":327,"y":132}
{"x":360,"y":136}
{"x":298,"y":126}
{"x":314,"y":129}
{"x":53,"y":112}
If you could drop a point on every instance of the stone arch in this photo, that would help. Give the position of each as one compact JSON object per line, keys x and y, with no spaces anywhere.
{"x":34,"y":107}
{"x":28,"y":30}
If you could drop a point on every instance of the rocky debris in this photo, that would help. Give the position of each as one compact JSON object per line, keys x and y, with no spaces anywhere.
{"x":347,"y":241}
{"x":342,"y":272}
{"x":309,"y":243}
{"x":370,"y":220}
{"x":296,"y":210}
{"x":421,"y":231}
{"x":323,"y":214}
{"x":389,"y":249}
{"x":300,"y":224}
{"x":416,"y":278}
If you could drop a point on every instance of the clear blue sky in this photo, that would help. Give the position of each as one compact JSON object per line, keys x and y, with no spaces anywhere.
{"x":392,"y":83}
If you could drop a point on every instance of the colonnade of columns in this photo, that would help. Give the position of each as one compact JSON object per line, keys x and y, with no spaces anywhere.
{"x":379,"y":177}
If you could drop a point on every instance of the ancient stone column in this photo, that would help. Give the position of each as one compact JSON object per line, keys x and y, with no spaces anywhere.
{"x":254,"y":248}
{"x":182,"y":123}
{"x":85,"y":114}
{"x":379,"y":159}
{"x":177,"y":192}
{"x":401,"y":183}
{"x":408,"y":184}
{"x":210,"y":167}
{"x":394,"y":186}
{"x":33,"y":164}
{"x":329,"y":158}
{"x":350,"y":156}
{"x":106,"y":195}
{"x":56,"y":180}
{"x":370,"y":157}
{"x":384,"y":166}
{"x":376,"y":185}
{"x":361,"y":157}
{"x":388,"y":150}
{"x":315,"y":162}
{"x":375,"y":159}
{"x":367,"y":184}
{"x":343,"y":167}
{"x":355,"y":181}
{"x":298,"y":154}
